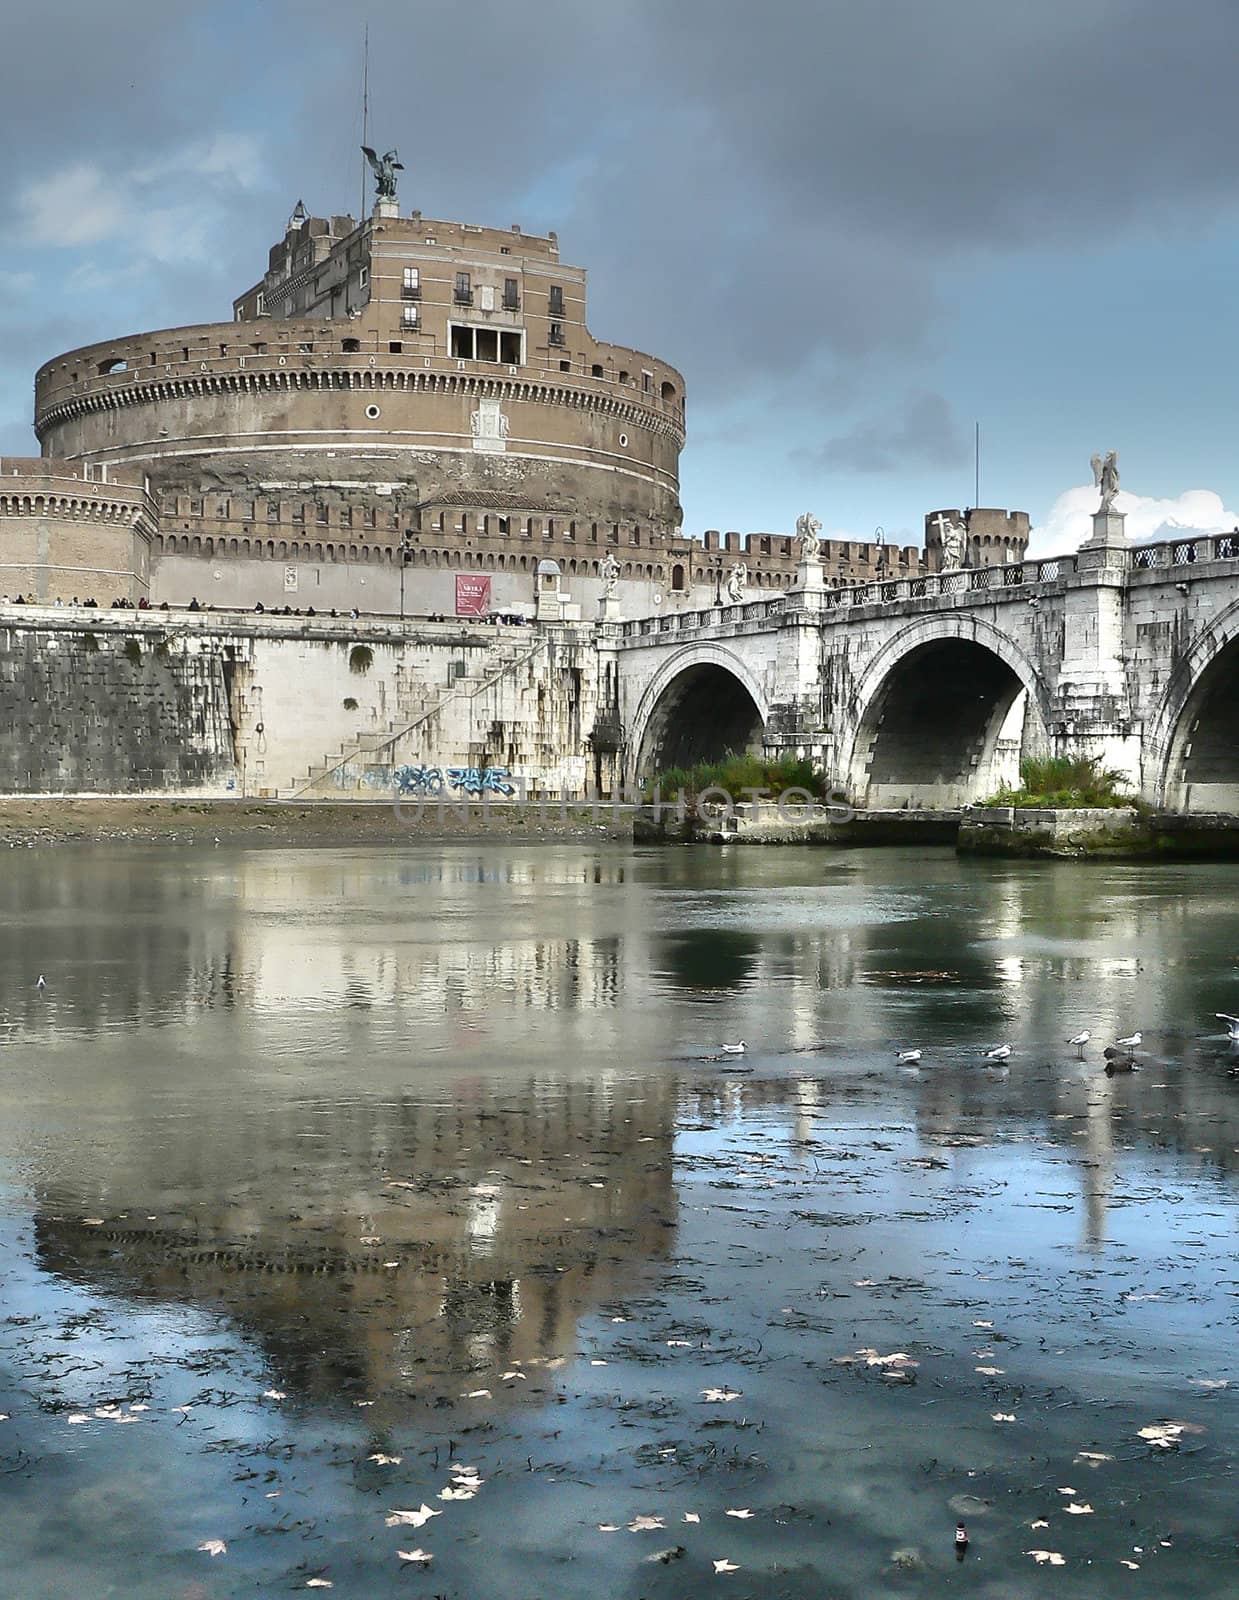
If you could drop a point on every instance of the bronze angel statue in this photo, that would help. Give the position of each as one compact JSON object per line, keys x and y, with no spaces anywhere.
{"x":385,"y":169}
{"x":1106,"y":477}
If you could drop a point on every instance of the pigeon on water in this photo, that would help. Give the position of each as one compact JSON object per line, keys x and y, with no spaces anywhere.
{"x":999,"y":1053}
{"x":736,"y":1049}
{"x":1131,"y":1041}
{"x":908,"y":1057}
{"x":1232,"y":1025}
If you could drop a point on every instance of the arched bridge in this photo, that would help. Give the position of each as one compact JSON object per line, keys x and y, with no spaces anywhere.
{"x":926,"y":691}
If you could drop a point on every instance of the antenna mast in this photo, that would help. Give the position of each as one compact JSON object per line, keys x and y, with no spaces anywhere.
{"x":976,"y":501}
{"x":365,"y":114}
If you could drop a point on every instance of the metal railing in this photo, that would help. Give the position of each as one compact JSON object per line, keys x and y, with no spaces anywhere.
{"x":1186,"y":552}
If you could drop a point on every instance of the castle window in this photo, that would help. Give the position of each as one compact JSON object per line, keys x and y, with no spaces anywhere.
{"x":556,"y":305}
{"x":565,"y":366}
{"x":351,"y":346}
{"x":677,"y":579}
{"x":596,"y":371}
{"x":411,"y":288}
{"x":646,"y":378}
{"x":511,"y":294}
{"x":112,"y":364}
{"x":504,"y":525}
{"x":510,"y":350}
{"x":463,"y":295}
{"x":395,"y":348}
{"x":363,"y":277}
{"x":557,"y":333}
{"x":486,"y":344}
{"x":462,"y":342}
{"x":223,"y":510}
{"x":409,"y":316}
{"x":623,"y":377}
{"x":260,"y":304}
{"x":668,"y":393}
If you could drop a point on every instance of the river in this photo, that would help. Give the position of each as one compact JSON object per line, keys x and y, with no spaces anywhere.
{"x":377,"y":1217}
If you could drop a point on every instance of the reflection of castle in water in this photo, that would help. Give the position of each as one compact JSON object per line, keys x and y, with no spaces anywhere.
{"x":381,"y":1251}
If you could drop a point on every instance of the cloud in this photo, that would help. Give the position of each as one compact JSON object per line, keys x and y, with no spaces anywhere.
{"x":922,"y":431}
{"x":1070,"y":521}
{"x":84,"y":204}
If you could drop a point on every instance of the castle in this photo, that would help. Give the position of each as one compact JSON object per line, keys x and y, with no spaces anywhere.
{"x":404,"y":416}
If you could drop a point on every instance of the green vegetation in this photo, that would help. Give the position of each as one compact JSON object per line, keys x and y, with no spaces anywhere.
{"x":735,"y":774}
{"x":1063,"y":783}
{"x":133,"y":652}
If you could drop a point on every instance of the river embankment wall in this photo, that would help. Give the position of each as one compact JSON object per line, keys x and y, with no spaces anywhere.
{"x":224,"y":704}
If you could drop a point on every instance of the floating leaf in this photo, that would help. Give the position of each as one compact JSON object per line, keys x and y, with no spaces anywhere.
{"x":725,"y":1566}
{"x":645,"y":1524}
{"x":213,"y":1547}
{"x":420,"y":1556}
{"x":1044,"y":1557}
{"x":412,"y":1519}
{"x":719,"y":1396}
{"x":745,"y":1512}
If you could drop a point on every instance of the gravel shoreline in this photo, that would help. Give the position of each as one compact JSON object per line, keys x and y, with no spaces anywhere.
{"x":28,"y":824}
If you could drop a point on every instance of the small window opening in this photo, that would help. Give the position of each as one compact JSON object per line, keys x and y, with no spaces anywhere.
{"x":486,"y":344}
{"x":464,"y":290}
{"x":510,"y":348}
{"x":395,"y":347}
{"x":462,"y":343}
{"x":596,"y":371}
{"x":352,"y":346}
{"x":556,"y":306}
{"x":511,"y":294}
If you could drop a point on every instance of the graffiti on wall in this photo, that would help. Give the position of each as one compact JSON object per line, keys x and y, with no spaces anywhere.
{"x":427,"y":782}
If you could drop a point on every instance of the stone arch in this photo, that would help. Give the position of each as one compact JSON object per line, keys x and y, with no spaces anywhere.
{"x":1190,"y":758}
{"x":706,"y":678}
{"x":928,"y":714}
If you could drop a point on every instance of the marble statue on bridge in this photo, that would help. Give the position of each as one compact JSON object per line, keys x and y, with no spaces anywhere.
{"x":953,"y":540}
{"x":737,"y":578}
{"x":807,"y":530}
{"x":1106,"y":477}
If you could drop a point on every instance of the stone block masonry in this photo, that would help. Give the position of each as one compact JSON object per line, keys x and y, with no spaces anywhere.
{"x":85,"y":712}
{"x":220,"y":704}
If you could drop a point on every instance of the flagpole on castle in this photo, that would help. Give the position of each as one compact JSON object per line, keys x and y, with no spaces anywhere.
{"x":365,"y":114}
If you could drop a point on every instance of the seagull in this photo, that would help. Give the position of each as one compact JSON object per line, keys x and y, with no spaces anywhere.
{"x":736,"y":1049}
{"x":42,"y":983}
{"x":1080,"y":1040}
{"x":1131,"y":1041}
{"x":1232,"y":1024}
{"x":999,"y":1053}
{"x":908,"y":1057}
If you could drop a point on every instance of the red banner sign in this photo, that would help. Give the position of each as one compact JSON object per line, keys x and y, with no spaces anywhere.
{"x":472,"y":595}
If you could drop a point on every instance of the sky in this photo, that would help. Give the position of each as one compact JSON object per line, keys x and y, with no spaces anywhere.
{"x":858,"y":227}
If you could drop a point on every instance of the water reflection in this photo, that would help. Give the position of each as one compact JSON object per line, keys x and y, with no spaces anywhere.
{"x":309,"y":1132}
{"x":383,"y":1250}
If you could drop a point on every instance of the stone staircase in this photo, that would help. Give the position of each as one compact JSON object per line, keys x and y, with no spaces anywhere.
{"x":343,"y":772}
